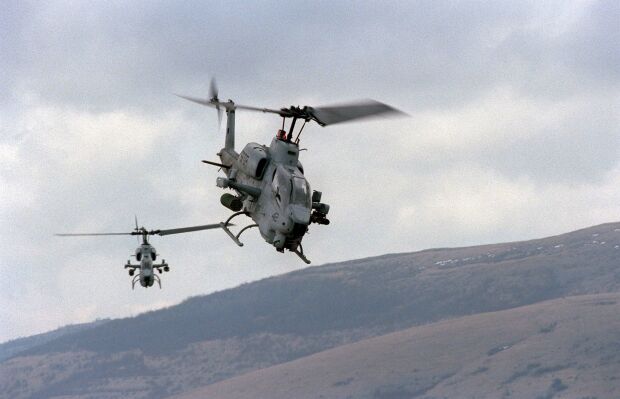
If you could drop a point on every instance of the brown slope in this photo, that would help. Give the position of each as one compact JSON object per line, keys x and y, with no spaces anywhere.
{"x":564,"y":348}
{"x":276,"y":320}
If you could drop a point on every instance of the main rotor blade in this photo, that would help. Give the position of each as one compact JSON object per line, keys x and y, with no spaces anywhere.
{"x":340,"y":113}
{"x":281,"y":112}
{"x":215,"y":103}
{"x":327,"y":115}
{"x":186,"y":229}
{"x":94,"y":234}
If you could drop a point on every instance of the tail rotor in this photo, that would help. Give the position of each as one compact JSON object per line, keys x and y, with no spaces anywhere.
{"x":213,"y":91}
{"x":137,"y":228}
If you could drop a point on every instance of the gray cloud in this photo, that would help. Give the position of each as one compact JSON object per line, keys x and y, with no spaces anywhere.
{"x":514,"y":119}
{"x":431,"y":54}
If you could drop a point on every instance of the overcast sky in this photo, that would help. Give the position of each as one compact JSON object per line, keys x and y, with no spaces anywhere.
{"x":513,"y":134}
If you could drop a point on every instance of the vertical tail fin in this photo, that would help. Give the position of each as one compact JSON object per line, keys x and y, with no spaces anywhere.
{"x":229,"y":142}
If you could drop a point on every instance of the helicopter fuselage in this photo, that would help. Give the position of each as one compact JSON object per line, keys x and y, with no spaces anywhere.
{"x":270,"y":182}
{"x":146,"y":254}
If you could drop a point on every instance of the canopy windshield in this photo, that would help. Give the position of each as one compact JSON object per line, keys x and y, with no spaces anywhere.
{"x":300,"y":193}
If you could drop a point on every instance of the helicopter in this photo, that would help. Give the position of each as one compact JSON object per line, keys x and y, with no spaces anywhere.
{"x":268,"y":181}
{"x":146,"y":253}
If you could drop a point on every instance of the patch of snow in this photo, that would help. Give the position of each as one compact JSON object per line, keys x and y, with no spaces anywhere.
{"x":446,"y":262}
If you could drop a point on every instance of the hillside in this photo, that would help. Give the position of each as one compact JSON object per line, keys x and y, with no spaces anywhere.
{"x":565,"y":348}
{"x":215,"y":337}
{"x":12,"y":347}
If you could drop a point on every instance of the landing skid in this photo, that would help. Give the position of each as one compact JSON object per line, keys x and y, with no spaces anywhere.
{"x":235,"y":238}
{"x":230,"y":234}
{"x":299,"y":251}
{"x":134,"y":281}
{"x":137,"y":278}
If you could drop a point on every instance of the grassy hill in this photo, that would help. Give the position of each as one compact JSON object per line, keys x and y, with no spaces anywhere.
{"x":10,"y":348}
{"x":565,"y":348}
{"x":215,"y":337}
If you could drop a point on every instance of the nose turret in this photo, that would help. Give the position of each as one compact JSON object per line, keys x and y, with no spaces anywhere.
{"x":300,"y":214}
{"x":146,"y":277}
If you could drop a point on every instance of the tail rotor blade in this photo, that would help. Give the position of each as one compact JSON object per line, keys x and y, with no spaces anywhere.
{"x":213,"y":95}
{"x":137,"y":228}
{"x":213,"y":91}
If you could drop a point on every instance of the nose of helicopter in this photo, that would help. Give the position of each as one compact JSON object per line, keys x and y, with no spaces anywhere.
{"x":146,"y":279}
{"x":300,"y":214}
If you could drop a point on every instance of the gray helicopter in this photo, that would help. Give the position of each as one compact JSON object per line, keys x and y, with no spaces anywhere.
{"x":268,"y":181}
{"x":146,"y":253}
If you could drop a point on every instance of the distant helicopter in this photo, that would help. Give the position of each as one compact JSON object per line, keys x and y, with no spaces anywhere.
{"x":268,"y":181}
{"x":146,"y":253}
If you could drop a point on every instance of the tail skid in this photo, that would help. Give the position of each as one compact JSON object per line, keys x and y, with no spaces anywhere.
{"x":299,"y":251}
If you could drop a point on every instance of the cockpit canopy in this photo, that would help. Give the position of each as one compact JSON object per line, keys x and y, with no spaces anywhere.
{"x":300,"y":193}
{"x":291,"y":186}
{"x":147,"y":252}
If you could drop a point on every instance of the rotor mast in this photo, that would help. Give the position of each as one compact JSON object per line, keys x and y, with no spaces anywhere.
{"x":145,"y":240}
{"x":291,"y":132}
{"x":289,"y":137}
